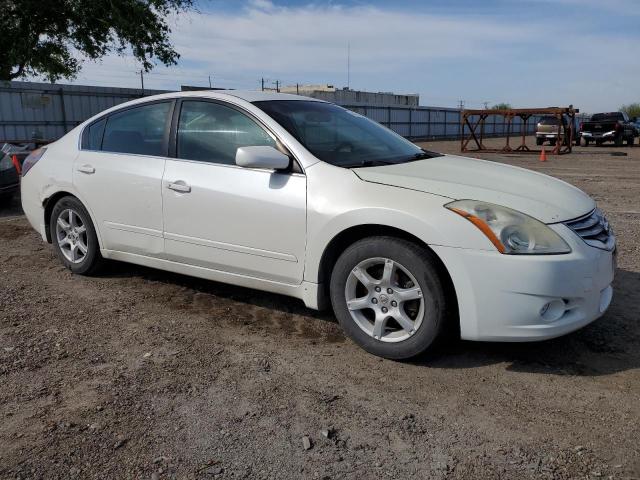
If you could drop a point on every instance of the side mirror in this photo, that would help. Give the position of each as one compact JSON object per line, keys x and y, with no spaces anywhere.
{"x":261,"y":157}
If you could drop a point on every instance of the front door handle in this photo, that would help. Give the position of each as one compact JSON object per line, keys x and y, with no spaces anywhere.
{"x":179,"y":186}
{"x":86,"y":169}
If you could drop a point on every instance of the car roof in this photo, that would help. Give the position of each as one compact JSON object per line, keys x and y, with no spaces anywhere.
{"x":230,"y":95}
{"x":247,"y":95}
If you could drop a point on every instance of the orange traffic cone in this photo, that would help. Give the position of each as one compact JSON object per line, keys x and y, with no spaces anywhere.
{"x":543,"y":155}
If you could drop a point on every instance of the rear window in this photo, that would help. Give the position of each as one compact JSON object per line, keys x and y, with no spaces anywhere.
{"x":607,"y":117}
{"x":548,"y":121}
{"x":92,"y":136}
{"x":138,"y":130}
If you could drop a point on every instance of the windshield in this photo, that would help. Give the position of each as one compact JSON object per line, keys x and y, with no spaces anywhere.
{"x":339,"y":136}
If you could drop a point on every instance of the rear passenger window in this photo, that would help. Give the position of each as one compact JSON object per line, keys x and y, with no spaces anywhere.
{"x":92,"y":136}
{"x":211,"y":132}
{"x":138,"y":130}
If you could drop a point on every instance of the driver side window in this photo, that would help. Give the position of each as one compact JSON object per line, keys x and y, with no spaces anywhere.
{"x":211,"y":132}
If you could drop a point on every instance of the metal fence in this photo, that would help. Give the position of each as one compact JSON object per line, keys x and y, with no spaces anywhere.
{"x":435,"y":123}
{"x":42,"y":111}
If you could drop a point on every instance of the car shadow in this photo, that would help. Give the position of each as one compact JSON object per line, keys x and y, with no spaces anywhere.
{"x":607,"y":346}
{"x":258,"y":298}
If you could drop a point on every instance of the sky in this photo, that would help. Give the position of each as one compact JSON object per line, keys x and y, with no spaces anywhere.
{"x":529,"y":53}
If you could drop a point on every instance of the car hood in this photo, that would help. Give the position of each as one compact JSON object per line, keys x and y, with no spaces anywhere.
{"x":540,"y":196}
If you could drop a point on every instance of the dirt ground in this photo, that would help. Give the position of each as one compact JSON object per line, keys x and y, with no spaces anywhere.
{"x":139,"y":373}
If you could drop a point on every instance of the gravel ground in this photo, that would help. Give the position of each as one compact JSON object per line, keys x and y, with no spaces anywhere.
{"x":139,"y":373}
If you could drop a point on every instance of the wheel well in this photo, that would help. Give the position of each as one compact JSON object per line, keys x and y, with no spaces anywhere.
{"x":48,"y":204}
{"x":348,"y":237}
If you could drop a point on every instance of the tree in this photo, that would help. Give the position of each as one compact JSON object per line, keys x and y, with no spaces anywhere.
{"x":49,"y":38}
{"x":633,"y":109}
{"x":501,"y":106}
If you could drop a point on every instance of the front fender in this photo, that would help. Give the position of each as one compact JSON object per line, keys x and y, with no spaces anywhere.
{"x":339,"y":200}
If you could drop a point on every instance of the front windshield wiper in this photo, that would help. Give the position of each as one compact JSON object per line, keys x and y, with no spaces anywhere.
{"x":367,"y":163}
{"x":425,"y":154}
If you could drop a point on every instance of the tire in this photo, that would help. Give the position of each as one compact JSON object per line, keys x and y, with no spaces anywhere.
{"x":630,"y":141}
{"x":539,"y":141}
{"x":586,"y":142}
{"x":397,"y":340}
{"x":6,"y":198}
{"x":618,"y":141}
{"x":70,"y":242}
{"x":598,"y":143}
{"x":552,"y":142}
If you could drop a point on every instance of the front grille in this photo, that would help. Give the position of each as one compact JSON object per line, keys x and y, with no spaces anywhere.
{"x":594,"y":229}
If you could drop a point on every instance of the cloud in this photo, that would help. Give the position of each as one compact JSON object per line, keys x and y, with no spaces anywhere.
{"x":509,"y":56}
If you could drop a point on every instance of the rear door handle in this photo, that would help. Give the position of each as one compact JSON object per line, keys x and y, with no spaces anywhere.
{"x":86,"y":169}
{"x":179,"y":186}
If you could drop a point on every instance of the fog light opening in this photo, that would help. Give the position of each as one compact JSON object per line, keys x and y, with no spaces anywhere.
{"x":605,"y":298}
{"x":553,"y":310}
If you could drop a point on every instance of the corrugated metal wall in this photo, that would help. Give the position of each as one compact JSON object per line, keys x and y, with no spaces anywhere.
{"x":427,"y":123}
{"x":46,"y":112}
{"x":356,"y":97}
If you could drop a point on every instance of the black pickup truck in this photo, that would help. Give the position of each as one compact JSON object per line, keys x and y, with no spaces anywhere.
{"x":608,"y":127}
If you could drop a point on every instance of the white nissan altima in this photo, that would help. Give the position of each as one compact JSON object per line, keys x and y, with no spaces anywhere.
{"x":304,"y":198}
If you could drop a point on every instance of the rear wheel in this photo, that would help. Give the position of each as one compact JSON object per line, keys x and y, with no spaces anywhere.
{"x":618,"y":141}
{"x":630,"y":141}
{"x":539,"y":141}
{"x":388,"y":298}
{"x":552,"y":142}
{"x":74,"y":237}
{"x":586,"y":142}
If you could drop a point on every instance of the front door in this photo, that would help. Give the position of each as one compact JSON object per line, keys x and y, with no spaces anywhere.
{"x":119,"y":173}
{"x":217,"y":215}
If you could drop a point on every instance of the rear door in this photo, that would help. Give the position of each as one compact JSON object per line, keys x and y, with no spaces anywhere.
{"x":217,"y":215}
{"x":119,"y":174}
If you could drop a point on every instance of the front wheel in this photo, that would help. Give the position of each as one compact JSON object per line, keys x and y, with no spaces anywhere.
{"x":388,"y":297}
{"x":74,"y":237}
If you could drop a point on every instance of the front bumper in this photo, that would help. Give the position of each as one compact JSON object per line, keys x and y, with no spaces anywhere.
{"x":548,"y":136}
{"x":529,"y":297}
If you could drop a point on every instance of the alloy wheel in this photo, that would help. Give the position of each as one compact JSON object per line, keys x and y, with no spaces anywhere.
{"x":71,"y":235}
{"x":384,"y":299}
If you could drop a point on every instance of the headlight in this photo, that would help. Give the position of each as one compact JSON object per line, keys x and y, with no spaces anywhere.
{"x":510,"y":231}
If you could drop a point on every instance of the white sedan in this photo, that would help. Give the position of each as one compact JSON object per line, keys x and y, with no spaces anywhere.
{"x":304,"y":198}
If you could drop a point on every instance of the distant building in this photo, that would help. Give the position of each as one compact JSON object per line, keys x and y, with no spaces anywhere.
{"x":346,"y":96}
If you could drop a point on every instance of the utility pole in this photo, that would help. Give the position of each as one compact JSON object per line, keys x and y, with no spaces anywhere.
{"x":142,"y":82}
{"x":278,"y":86}
{"x":348,"y":65}
{"x":262,"y":79}
{"x":297,"y":89}
{"x":460,"y":127}
{"x":209,"y":81}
